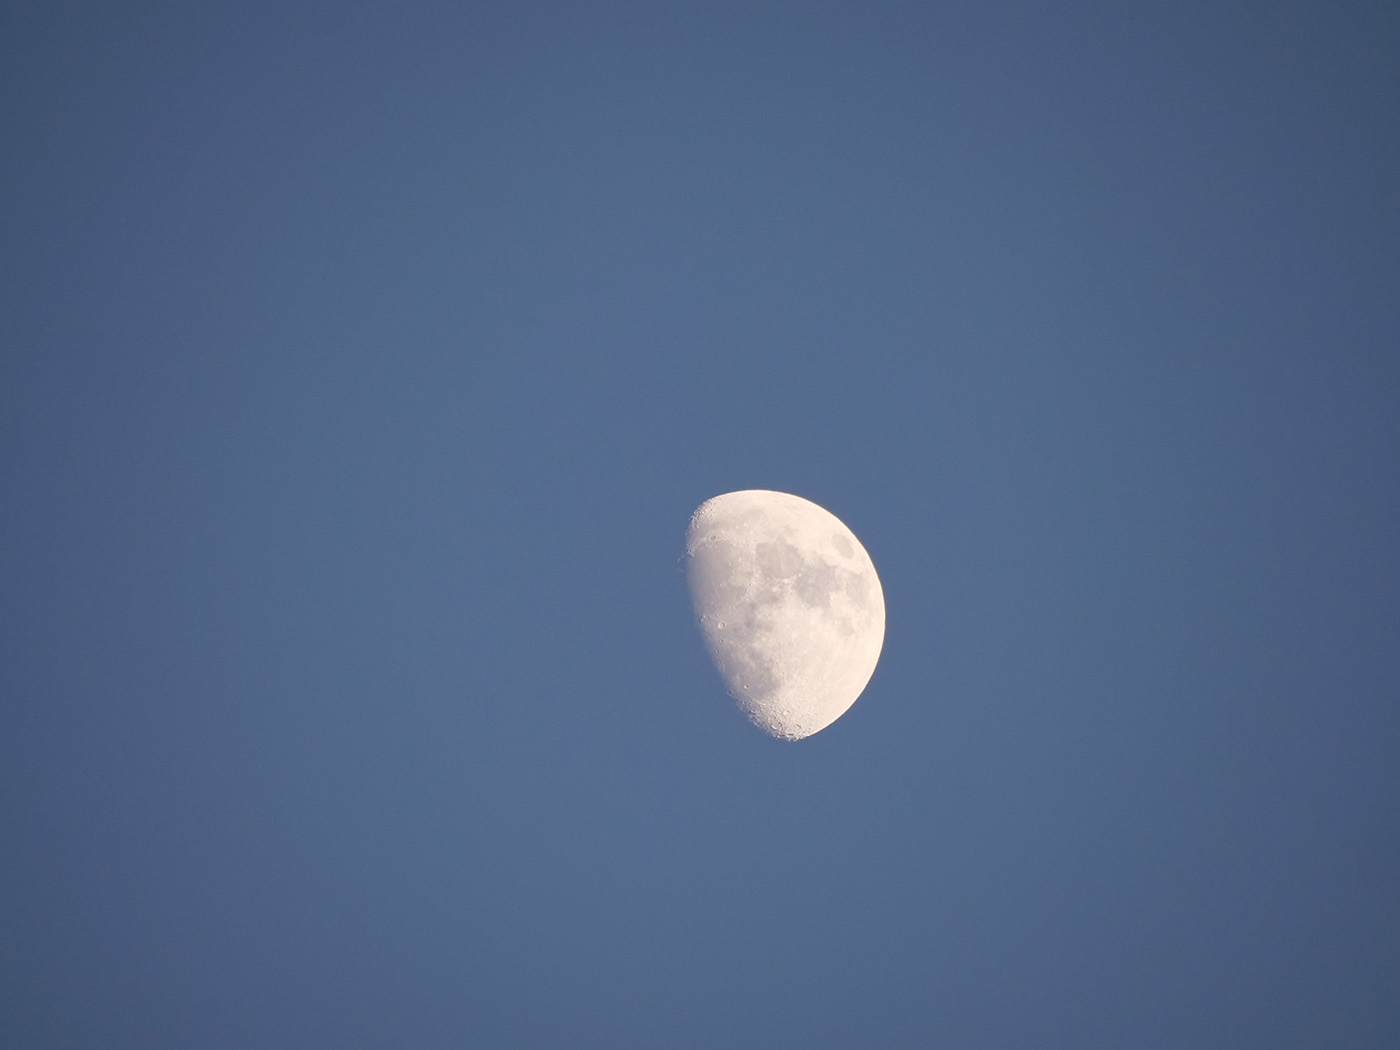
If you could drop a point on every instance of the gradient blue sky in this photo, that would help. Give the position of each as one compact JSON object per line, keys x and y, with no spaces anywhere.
{"x":361,"y":364}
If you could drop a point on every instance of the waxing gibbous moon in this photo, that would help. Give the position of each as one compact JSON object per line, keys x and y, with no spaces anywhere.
{"x":789,"y":606}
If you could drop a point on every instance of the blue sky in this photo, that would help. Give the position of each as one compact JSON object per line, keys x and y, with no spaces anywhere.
{"x":362,"y":365}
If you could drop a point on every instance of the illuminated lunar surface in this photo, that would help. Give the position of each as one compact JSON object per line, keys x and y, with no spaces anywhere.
{"x":789,"y":606}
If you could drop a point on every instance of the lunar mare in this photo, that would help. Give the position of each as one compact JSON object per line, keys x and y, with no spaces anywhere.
{"x":789,"y":606}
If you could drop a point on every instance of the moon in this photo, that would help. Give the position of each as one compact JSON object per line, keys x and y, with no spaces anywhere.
{"x":789,"y":606}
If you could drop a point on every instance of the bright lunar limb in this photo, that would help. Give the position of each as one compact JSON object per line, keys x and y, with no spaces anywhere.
{"x":789,"y":606}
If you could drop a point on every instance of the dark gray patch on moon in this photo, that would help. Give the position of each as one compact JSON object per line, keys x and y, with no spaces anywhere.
{"x":818,"y":581}
{"x":779,"y":559}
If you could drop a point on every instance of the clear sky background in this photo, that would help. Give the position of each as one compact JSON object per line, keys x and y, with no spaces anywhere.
{"x":361,"y":365}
